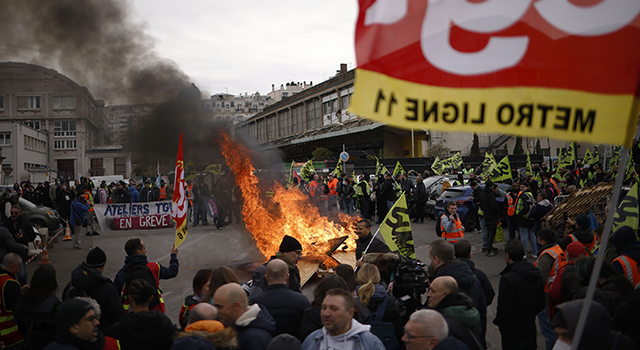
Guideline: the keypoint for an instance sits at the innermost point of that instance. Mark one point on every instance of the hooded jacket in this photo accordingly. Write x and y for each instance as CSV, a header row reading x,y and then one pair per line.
x,y
391,312
225,339
255,328
584,235
632,250
359,336
135,195
100,288
541,209
625,319
462,318
259,284
144,330
489,205
132,261
487,288
285,306
467,283
520,299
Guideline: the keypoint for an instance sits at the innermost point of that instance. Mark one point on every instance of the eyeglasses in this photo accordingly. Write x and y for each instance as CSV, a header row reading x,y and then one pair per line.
x,y
409,336
15,213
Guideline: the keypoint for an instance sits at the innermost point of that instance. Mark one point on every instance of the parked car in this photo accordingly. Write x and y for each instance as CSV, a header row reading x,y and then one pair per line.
x,y
40,216
463,197
434,190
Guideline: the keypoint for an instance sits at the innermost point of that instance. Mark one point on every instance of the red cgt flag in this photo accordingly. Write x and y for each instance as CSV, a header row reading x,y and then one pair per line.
x,y
553,68
179,210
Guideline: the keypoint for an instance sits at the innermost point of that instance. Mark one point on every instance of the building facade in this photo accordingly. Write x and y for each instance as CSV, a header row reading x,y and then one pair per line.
x,y
121,118
39,105
235,109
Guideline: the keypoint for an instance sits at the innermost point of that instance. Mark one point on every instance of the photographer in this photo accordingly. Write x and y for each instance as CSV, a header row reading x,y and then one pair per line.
x,y
78,220
450,224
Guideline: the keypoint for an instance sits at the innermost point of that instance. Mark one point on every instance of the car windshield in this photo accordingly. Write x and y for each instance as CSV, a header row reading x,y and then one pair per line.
x,y
452,193
26,203
431,180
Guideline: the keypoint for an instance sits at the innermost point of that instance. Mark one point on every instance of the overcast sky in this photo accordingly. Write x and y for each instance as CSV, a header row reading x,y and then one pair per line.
x,y
245,46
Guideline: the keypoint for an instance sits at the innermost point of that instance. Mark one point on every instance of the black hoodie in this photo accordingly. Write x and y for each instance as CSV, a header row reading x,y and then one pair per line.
x,y
520,299
489,205
144,330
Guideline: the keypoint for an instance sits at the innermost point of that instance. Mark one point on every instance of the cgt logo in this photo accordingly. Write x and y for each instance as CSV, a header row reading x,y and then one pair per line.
x,y
492,16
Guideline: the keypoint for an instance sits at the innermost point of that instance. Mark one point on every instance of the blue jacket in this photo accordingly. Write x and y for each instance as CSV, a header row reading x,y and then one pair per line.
x,y
78,210
135,195
258,332
362,338
136,260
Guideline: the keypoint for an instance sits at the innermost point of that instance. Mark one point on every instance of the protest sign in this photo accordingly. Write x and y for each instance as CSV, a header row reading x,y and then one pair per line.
x,y
134,216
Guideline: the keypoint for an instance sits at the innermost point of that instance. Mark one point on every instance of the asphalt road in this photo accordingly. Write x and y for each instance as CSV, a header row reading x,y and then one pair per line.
x,y
207,247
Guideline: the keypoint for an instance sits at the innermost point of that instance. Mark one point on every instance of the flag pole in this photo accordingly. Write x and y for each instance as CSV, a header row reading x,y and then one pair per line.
x,y
606,234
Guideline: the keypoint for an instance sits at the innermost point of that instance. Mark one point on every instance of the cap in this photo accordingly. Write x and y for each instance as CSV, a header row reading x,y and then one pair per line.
x,y
71,312
289,244
446,179
622,237
575,250
147,181
96,258
583,220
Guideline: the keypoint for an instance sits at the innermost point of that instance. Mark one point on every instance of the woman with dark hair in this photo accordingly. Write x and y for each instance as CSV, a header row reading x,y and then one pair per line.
x,y
219,277
311,320
143,329
35,311
200,288
346,272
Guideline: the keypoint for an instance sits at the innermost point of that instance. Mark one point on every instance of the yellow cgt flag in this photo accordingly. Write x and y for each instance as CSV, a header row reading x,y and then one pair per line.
x,y
627,213
396,229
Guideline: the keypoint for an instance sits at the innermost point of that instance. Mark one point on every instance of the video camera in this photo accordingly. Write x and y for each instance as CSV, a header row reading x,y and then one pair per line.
x,y
411,282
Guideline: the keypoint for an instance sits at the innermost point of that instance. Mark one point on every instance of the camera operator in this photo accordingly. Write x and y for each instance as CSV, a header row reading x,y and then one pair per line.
x,y
78,220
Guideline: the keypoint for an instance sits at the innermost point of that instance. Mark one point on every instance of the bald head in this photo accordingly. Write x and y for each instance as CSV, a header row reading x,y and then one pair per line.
x,y
277,272
12,263
203,311
231,301
447,284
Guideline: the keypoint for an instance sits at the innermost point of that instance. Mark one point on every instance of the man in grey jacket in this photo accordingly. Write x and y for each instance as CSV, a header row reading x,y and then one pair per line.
x,y
8,245
340,330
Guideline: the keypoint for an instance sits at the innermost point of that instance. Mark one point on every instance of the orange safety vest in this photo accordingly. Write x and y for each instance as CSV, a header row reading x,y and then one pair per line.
x,y
155,270
163,192
190,194
511,208
8,328
631,268
332,188
555,186
313,188
559,261
111,343
455,235
588,247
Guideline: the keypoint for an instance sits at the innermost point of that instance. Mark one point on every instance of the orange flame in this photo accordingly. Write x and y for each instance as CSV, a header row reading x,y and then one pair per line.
x,y
289,212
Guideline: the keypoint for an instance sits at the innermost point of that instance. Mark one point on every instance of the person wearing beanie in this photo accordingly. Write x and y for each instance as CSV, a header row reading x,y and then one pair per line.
x,y
77,321
628,262
290,252
566,282
582,233
87,280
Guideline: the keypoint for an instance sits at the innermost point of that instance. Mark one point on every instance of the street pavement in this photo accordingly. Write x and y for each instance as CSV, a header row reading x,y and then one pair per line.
x,y
206,247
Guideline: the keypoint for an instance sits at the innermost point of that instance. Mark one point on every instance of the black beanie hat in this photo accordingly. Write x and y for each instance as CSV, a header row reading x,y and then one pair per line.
x,y
96,258
71,312
583,221
289,244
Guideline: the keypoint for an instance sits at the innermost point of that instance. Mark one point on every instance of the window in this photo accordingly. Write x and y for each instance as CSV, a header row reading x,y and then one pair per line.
x,y
5,139
120,166
247,103
64,128
64,144
219,118
240,119
29,102
64,102
1,103
231,103
32,124
97,168
228,118
345,101
255,108
285,94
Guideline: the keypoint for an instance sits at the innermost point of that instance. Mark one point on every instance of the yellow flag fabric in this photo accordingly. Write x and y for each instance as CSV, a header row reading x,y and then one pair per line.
x,y
488,164
290,181
306,170
627,212
215,169
398,169
529,169
588,158
437,166
454,161
189,171
380,168
502,171
568,157
615,157
339,169
396,229
595,156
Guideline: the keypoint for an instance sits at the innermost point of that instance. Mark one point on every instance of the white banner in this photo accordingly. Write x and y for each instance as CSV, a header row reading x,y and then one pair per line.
x,y
134,216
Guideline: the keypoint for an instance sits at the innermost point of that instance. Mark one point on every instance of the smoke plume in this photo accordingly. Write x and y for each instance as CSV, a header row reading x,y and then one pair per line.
x,y
93,42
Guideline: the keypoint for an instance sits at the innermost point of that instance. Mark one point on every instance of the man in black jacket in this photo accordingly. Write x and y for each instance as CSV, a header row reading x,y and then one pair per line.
x,y
420,200
520,299
284,305
363,230
87,280
290,252
491,214
388,190
19,226
146,194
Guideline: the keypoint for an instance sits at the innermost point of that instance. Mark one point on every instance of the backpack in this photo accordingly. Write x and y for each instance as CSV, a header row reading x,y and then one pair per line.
x,y
385,331
143,272
74,292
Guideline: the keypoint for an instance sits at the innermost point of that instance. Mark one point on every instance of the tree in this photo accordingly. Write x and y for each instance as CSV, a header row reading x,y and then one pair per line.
x,y
438,150
518,147
537,149
475,147
388,153
321,153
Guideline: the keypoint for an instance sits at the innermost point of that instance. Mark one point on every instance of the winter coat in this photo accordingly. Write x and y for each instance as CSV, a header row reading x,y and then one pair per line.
x,y
95,285
377,246
523,207
626,318
388,191
259,284
358,334
144,330
392,310
8,245
132,261
23,226
311,321
584,235
420,195
255,328
135,196
462,318
489,205
540,210
225,339
520,299
285,306
565,285
467,283
37,322
68,341
146,194
78,211
487,289
632,250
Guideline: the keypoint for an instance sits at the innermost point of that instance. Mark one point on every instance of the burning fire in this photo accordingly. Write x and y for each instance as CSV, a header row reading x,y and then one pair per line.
x,y
289,212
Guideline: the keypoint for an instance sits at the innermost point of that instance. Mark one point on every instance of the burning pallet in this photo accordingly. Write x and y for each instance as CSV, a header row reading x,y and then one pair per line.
x,y
309,268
